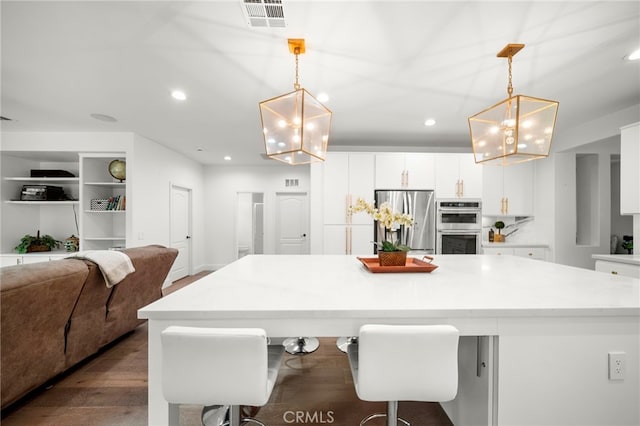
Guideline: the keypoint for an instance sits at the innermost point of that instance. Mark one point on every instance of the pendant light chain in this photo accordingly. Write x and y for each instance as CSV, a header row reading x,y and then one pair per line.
x,y
297,84
510,86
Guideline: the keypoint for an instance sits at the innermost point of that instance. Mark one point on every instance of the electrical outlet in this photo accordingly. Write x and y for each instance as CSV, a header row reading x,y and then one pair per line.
x,y
617,365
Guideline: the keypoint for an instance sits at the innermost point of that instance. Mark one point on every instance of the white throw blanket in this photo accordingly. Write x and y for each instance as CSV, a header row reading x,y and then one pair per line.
x,y
114,265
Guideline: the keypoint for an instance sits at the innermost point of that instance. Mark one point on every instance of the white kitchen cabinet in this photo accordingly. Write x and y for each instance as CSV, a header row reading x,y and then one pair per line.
x,y
345,178
405,170
348,239
538,253
27,258
508,190
630,169
457,176
617,268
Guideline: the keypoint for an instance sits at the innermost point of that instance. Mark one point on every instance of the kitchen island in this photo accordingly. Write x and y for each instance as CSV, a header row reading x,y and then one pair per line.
x,y
536,335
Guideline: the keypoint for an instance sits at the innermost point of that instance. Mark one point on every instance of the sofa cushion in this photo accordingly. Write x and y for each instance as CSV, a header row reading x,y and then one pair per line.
x,y
144,286
33,344
84,335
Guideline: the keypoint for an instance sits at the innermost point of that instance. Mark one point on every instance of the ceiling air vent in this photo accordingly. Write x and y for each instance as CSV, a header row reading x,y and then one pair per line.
x,y
264,13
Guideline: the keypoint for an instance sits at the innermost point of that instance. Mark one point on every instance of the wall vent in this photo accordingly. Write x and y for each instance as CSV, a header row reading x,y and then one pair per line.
x,y
264,13
291,182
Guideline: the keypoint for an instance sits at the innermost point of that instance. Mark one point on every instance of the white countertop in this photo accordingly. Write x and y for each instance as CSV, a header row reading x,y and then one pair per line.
x,y
632,259
512,245
338,286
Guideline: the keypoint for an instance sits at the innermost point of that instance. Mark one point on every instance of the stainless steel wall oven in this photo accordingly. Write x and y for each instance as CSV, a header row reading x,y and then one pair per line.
x,y
458,226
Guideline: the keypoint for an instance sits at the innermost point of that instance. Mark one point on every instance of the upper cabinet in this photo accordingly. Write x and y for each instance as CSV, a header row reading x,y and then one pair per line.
x,y
405,171
508,190
458,176
347,176
630,169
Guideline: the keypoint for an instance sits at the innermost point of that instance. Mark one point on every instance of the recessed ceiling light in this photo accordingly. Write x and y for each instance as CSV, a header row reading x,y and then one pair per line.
x,y
178,95
323,97
104,117
430,122
227,158
634,56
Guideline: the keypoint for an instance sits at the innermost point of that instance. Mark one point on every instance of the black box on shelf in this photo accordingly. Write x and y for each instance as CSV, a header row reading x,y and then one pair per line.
x,y
42,173
42,193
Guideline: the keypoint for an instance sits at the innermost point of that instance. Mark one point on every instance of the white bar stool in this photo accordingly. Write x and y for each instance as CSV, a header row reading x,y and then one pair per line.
x,y
225,366
404,363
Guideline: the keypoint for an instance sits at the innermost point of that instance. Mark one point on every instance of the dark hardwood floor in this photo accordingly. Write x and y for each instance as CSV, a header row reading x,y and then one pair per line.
x,y
111,389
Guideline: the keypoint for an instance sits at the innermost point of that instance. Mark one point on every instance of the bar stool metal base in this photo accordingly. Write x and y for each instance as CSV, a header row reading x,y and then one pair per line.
x,y
391,415
343,342
301,345
225,415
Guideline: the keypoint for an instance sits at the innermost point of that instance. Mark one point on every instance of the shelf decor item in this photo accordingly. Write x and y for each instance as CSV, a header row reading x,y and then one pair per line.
x,y
31,244
499,238
118,169
390,251
72,243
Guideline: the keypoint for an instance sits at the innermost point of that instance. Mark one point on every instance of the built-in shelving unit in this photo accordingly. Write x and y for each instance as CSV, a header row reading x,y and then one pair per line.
x,y
58,218
103,198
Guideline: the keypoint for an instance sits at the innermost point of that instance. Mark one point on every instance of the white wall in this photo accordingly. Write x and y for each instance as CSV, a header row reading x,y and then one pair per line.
x,y
596,130
156,169
222,183
566,250
620,225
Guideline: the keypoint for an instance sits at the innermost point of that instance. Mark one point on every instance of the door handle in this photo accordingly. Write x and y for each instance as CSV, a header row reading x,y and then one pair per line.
x,y
304,235
188,237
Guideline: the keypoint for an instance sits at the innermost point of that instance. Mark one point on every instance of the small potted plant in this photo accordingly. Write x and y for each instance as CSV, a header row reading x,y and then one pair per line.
x,y
30,244
390,251
499,238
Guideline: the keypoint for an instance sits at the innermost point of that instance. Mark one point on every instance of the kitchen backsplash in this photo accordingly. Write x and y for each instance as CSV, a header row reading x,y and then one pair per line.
x,y
518,229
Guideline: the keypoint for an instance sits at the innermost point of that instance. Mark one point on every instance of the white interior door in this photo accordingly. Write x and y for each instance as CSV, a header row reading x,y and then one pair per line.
x,y
292,223
181,231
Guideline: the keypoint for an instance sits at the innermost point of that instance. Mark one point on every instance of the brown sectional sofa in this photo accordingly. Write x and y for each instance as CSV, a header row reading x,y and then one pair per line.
x,y
55,314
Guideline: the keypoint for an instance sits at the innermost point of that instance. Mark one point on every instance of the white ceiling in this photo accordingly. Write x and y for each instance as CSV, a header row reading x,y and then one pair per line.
x,y
386,65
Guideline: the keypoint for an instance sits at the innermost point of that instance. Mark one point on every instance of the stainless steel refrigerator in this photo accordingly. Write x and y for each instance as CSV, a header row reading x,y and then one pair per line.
x,y
420,204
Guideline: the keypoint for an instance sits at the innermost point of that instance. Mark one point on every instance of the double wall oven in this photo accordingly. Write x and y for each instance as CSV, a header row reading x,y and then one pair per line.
x,y
458,226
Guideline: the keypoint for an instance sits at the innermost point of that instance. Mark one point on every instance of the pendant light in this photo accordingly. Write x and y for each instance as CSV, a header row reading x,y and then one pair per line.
x,y
518,129
295,125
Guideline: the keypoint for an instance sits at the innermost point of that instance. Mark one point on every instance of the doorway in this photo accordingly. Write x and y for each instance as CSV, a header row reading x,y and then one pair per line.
x,y
180,232
292,223
249,223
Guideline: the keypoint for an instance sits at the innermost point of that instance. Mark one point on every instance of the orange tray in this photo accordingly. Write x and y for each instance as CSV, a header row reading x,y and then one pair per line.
x,y
412,265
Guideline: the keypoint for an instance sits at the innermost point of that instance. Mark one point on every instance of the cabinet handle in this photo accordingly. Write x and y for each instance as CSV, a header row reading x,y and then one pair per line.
x,y
18,261
461,188
347,213
346,240
506,210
